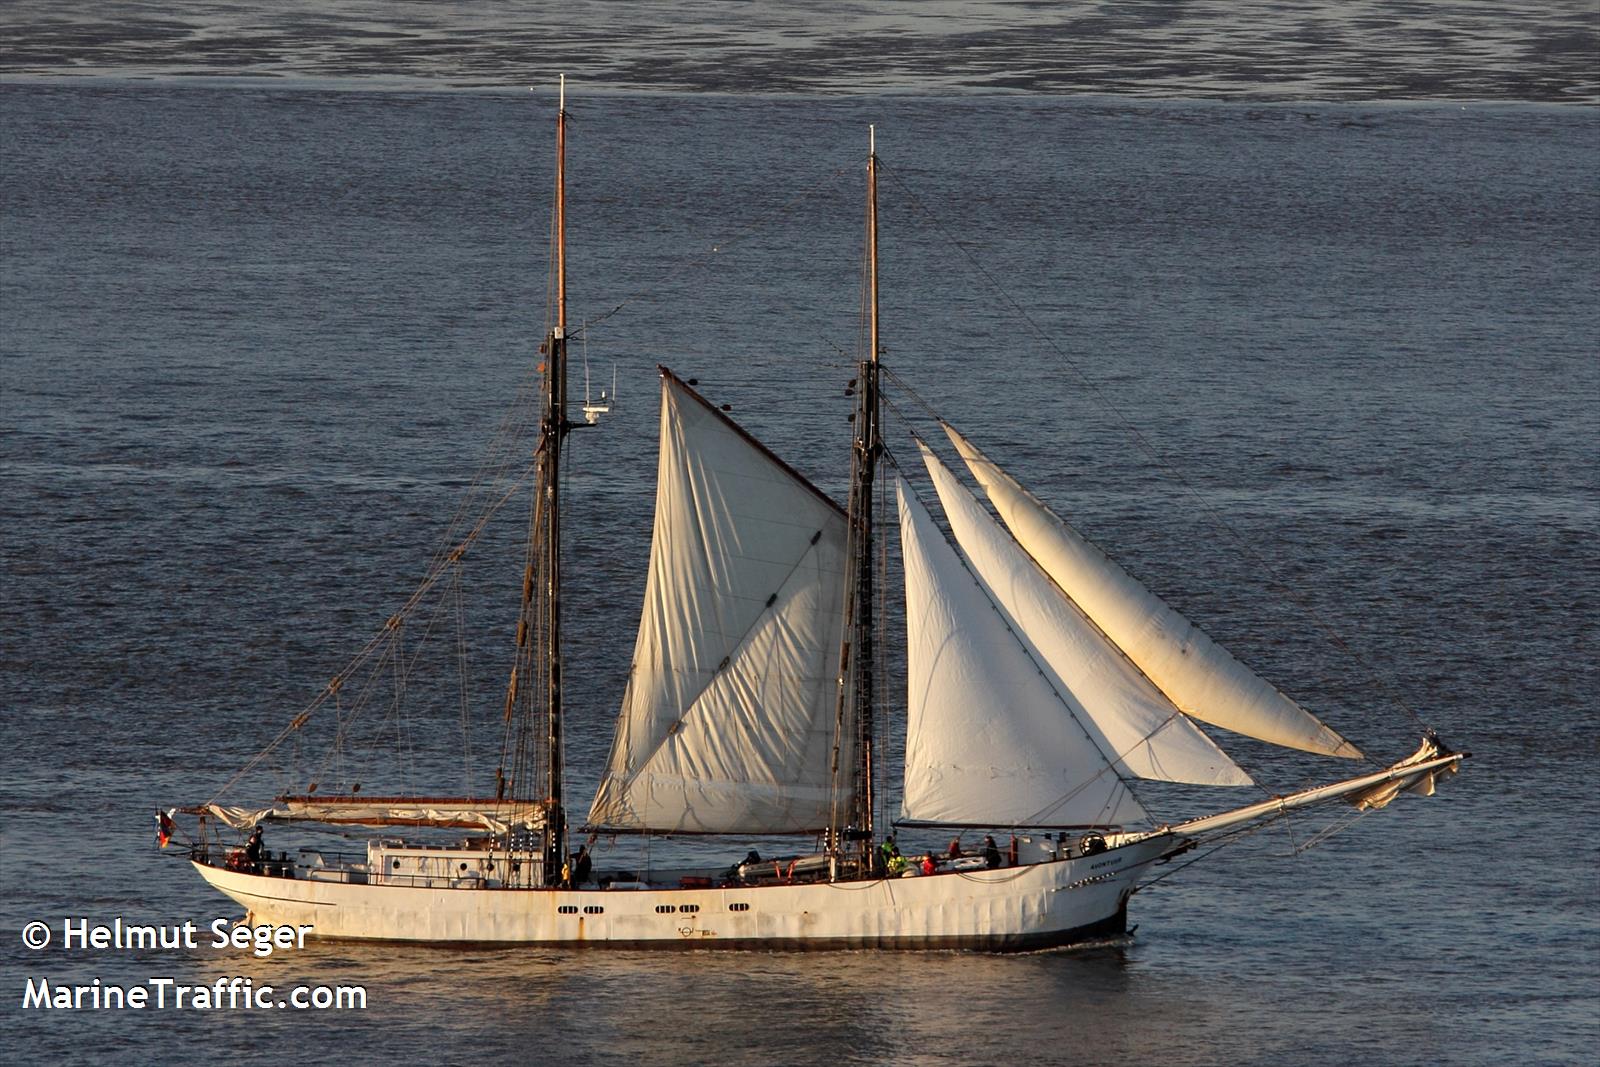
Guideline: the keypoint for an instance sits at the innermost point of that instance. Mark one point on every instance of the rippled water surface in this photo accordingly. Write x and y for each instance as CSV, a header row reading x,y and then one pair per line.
x,y
253,341
1254,49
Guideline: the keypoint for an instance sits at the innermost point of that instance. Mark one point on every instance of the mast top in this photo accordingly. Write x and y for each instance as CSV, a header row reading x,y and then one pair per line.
x,y
563,103
872,139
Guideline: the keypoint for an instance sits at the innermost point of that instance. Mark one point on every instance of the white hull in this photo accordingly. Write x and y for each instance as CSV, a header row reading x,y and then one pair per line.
x,y
1035,906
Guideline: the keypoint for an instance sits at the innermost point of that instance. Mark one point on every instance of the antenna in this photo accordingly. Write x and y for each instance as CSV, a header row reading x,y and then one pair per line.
x,y
563,104
592,408
872,139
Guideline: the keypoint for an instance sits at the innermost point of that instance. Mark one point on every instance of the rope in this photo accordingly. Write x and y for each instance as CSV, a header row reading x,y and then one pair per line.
x,y
376,643
1234,836
1222,842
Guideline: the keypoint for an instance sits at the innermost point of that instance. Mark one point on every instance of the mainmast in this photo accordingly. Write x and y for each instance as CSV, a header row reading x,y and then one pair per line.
x,y
852,831
533,734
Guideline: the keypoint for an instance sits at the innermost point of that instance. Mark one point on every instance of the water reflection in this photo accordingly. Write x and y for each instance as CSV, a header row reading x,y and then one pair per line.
x,y
702,1007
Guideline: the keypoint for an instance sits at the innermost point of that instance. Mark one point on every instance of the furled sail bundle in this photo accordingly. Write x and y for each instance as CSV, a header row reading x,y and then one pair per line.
x,y
499,816
1199,676
728,720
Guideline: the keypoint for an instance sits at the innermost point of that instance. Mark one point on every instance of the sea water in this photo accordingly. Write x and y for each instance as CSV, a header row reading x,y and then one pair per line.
x,y
1323,374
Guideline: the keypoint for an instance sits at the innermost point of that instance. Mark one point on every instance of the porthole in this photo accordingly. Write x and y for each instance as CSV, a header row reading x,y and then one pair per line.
x,y
568,909
688,907
593,909
738,907
665,909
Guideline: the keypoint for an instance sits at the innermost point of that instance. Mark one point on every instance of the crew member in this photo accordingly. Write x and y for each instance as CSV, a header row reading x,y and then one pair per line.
x,y
888,852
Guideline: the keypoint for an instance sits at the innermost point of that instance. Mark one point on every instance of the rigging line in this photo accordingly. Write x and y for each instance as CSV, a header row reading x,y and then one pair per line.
x,y
1228,838
492,474
501,457
372,645
403,669
1329,832
1020,870
522,670
880,750
551,255
916,396
459,602
1131,428
688,265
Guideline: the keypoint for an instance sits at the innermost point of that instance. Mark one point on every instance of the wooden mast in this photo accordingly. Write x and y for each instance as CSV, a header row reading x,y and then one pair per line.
x,y
857,668
533,733
554,431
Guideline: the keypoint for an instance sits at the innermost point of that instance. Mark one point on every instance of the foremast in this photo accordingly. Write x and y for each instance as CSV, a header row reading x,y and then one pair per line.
x,y
534,733
851,836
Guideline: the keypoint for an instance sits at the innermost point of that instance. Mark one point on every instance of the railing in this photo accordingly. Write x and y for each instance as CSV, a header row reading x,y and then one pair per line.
x,y
235,858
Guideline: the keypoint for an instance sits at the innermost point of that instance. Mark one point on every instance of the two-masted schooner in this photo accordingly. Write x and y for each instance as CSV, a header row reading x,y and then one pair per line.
x,y
1043,681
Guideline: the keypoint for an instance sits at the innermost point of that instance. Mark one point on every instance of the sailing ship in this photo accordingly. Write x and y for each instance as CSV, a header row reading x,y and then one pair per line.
x,y
1043,682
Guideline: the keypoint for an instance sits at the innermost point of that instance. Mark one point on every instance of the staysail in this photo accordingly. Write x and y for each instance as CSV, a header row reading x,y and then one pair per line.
x,y
1148,736
1199,676
989,742
727,722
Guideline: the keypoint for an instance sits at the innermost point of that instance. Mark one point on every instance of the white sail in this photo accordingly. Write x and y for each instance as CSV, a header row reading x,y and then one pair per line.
x,y
727,723
1149,737
1195,673
988,740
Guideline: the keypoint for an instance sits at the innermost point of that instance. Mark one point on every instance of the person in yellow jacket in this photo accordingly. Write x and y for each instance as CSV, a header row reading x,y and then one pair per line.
x,y
889,857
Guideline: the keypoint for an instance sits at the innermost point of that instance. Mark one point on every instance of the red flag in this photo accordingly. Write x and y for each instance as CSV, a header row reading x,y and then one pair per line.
x,y
164,828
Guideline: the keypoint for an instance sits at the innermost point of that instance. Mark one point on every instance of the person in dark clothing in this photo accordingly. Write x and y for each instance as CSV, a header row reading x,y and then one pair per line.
x,y
252,851
991,853
582,864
